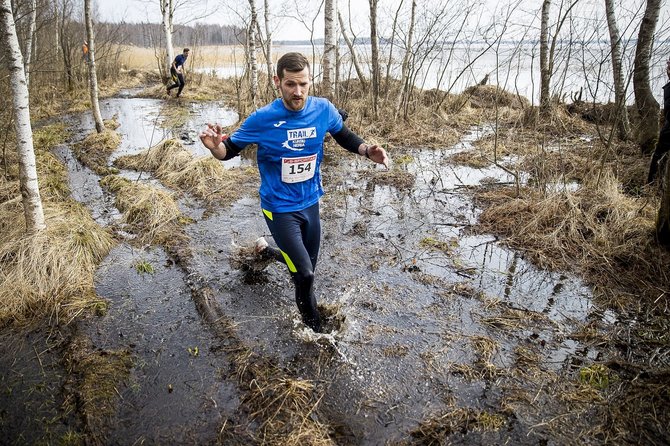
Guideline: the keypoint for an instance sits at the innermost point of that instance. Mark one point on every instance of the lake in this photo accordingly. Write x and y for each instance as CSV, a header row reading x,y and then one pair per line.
x,y
514,66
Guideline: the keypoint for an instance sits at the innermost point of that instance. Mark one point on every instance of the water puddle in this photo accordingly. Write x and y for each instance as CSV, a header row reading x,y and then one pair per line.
x,y
146,122
415,294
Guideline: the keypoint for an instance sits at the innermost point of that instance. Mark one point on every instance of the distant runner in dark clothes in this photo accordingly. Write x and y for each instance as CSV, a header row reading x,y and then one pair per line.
x,y
177,72
663,144
289,133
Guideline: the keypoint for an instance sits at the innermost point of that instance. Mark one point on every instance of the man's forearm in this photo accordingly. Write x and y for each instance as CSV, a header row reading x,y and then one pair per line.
x,y
349,140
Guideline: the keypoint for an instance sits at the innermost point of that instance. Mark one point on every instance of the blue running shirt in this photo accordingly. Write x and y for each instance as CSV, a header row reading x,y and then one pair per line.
x,y
290,150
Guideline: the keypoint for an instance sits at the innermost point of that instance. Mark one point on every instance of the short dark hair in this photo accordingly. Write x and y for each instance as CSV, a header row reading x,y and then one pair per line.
x,y
186,50
293,62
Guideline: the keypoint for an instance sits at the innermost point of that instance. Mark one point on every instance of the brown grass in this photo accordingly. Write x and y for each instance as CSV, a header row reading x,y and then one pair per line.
x,y
50,272
456,420
598,230
149,212
96,375
95,149
282,410
204,177
487,96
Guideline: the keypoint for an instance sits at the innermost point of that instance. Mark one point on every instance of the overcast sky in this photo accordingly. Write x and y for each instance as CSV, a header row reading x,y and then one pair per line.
x,y
215,11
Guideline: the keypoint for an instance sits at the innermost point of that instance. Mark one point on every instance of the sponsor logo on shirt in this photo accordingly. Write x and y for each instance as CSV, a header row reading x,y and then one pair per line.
x,y
280,123
309,132
297,137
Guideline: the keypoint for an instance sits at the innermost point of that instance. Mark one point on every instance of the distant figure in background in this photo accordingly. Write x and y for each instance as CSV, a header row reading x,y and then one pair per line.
x,y
663,144
177,72
84,51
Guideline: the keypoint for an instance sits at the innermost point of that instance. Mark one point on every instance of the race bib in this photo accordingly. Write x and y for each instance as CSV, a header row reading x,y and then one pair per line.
x,y
295,170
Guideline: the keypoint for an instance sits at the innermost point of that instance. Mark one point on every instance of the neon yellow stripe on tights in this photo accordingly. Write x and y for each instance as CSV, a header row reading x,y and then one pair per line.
x,y
289,263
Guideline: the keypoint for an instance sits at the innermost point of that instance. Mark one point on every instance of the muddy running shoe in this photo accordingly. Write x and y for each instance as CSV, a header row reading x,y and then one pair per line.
x,y
260,246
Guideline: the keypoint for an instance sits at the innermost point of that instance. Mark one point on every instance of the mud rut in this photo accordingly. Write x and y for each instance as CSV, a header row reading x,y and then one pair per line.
x,y
441,336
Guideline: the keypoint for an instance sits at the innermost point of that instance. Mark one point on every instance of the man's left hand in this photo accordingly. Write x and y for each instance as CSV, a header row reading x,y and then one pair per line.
x,y
378,155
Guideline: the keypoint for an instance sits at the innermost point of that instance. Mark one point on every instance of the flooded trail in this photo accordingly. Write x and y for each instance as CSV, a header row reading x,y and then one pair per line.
x,y
431,319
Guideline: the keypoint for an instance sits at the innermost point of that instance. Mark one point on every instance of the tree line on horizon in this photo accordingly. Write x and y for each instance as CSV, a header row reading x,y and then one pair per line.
x,y
149,35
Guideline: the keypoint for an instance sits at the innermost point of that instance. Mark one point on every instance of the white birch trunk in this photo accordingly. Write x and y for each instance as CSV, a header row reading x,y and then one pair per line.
x,y
268,45
167,8
328,64
92,75
253,62
32,203
29,40
374,47
545,71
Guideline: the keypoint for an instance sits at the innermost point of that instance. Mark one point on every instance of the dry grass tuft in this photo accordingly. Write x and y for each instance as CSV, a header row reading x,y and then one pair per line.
x,y
397,178
50,272
205,178
437,429
98,374
638,413
245,259
606,234
487,96
283,408
95,149
558,121
152,213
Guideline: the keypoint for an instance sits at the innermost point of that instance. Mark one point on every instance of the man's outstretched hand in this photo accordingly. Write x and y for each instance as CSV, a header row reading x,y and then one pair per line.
x,y
212,137
378,155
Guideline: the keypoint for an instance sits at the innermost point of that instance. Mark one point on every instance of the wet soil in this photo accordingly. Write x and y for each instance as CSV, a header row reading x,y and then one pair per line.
x,y
426,318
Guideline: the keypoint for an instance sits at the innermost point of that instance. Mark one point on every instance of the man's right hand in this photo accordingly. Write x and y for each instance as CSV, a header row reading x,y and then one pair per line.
x,y
212,137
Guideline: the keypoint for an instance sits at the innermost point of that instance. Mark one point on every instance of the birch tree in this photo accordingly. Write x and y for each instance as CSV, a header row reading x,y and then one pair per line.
x,y
30,192
29,40
623,122
268,44
374,48
548,49
545,70
251,52
328,64
92,76
646,104
167,12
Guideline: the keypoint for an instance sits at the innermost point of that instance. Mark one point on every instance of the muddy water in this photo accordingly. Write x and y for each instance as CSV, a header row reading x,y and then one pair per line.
x,y
178,391
411,313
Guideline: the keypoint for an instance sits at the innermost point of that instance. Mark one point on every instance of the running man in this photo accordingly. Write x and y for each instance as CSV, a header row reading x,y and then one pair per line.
x,y
289,133
177,72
